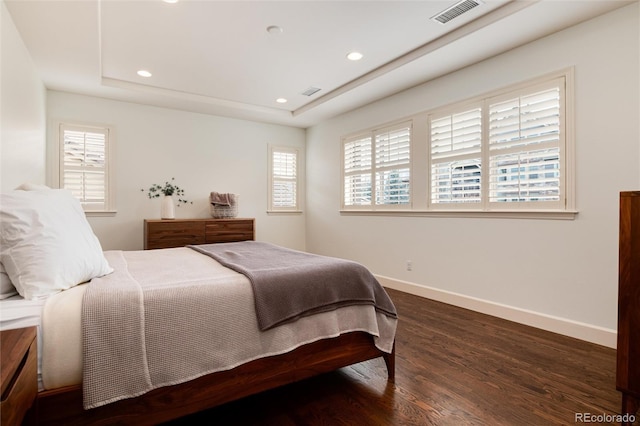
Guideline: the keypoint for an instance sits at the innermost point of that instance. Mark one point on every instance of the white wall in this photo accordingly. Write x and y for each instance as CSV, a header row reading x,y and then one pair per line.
x,y
565,270
204,153
22,111
568,270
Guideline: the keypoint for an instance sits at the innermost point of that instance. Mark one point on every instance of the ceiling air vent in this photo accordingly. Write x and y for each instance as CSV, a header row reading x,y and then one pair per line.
x,y
310,91
456,10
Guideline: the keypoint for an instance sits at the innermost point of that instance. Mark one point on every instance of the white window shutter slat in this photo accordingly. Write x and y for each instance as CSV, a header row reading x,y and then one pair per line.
x,y
84,153
392,165
284,179
357,171
524,140
456,182
456,143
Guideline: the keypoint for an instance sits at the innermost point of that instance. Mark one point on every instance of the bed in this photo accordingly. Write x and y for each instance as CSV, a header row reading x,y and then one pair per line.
x,y
193,317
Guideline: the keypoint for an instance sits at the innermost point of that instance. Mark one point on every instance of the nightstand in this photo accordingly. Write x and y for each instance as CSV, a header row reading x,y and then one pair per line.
x,y
18,374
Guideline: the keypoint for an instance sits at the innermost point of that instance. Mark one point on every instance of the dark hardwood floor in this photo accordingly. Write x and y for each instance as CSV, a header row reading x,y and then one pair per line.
x,y
453,367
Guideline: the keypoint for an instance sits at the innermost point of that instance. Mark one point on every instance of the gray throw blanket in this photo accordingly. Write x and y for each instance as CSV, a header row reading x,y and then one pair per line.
x,y
289,284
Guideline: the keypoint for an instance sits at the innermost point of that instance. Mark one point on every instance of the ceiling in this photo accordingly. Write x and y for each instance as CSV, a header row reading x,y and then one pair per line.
x,y
218,57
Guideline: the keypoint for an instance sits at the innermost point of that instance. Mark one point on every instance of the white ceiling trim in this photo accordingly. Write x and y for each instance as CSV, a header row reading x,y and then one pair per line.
x,y
153,90
77,51
176,94
467,29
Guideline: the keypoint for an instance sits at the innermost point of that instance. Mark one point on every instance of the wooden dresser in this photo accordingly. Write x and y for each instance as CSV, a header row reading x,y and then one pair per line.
x,y
19,374
628,352
161,233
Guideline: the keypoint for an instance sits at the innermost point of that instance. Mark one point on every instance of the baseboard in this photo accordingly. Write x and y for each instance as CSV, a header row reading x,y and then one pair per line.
x,y
590,333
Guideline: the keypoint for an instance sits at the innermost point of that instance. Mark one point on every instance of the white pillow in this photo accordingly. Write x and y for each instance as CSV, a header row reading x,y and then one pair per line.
x,y
6,287
47,245
27,186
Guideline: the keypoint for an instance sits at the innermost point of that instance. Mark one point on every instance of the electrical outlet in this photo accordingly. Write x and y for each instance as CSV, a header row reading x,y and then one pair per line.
x,y
409,265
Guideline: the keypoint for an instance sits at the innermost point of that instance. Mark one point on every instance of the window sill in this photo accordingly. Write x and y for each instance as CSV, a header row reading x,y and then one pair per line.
x,y
284,211
97,213
511,214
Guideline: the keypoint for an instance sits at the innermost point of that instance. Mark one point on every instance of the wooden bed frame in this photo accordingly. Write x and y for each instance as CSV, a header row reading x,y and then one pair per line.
x,y
64,406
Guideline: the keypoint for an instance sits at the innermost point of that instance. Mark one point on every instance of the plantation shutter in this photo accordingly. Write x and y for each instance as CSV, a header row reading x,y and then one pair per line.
x,y
525,132
284,169
456,144
357,171
83,168
392,165
509,153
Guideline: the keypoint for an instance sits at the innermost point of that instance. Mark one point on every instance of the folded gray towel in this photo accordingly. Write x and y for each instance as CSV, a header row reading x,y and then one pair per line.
x,y
219,199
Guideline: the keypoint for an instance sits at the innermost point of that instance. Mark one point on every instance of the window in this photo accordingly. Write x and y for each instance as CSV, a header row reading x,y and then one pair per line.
x,y
283,179
456,141
377,168
357,171
509,153
85,165
525,141
504,152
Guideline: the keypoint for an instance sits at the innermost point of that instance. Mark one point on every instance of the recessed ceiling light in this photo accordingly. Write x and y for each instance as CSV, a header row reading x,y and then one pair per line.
x,y
144,73
281,100
274,29
170,1
354,56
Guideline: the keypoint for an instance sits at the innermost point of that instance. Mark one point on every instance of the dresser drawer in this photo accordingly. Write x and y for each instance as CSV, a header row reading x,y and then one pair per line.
x,y
19,374
174,233
226,231
179,233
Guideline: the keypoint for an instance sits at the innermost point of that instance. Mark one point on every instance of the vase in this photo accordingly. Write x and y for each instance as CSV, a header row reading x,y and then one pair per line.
x,y
167,208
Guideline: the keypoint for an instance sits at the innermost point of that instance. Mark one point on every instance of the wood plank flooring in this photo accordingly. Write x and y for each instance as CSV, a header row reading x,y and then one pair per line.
x,y
453,367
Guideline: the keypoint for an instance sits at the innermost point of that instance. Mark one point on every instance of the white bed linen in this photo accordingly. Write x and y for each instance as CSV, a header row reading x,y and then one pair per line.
x,y
62,360
62,339
17,312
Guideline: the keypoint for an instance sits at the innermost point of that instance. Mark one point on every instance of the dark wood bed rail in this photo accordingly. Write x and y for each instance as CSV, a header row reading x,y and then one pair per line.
x,y
64,406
